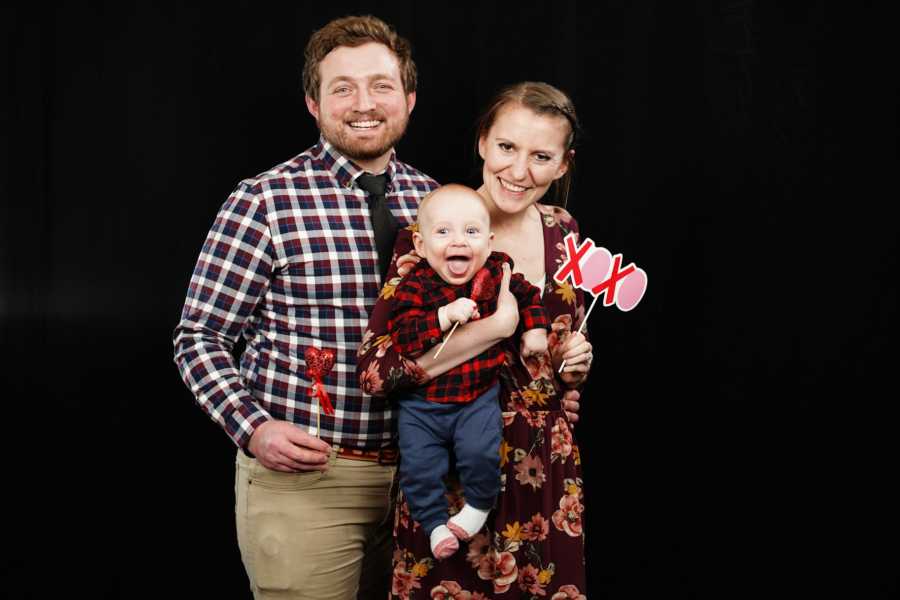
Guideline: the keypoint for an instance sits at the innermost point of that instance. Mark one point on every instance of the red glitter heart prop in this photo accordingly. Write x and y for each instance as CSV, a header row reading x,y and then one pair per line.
x,y
482,285
319,362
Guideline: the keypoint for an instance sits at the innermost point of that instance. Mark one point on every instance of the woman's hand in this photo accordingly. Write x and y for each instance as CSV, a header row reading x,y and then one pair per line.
x,y
577,353
533,343
571,405
406,262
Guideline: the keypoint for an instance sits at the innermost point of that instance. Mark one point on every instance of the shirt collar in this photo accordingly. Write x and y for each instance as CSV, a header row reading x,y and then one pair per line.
x,y
428,277
345,171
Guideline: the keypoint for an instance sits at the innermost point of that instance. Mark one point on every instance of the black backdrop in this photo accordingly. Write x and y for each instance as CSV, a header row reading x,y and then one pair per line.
x,y
736,434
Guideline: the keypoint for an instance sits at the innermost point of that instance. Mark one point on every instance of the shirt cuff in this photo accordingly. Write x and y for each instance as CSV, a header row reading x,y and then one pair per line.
x,y
244,421
533,317
432,334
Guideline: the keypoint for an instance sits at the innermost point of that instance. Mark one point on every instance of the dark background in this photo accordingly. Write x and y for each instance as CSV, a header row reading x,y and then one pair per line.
x,y
738,434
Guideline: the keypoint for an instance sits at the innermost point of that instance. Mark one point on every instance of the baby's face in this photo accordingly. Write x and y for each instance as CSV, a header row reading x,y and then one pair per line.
x,y
454,234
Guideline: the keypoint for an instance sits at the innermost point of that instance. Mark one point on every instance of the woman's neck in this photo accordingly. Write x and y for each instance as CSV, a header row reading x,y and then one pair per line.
x,y
514,227
520,235
506,225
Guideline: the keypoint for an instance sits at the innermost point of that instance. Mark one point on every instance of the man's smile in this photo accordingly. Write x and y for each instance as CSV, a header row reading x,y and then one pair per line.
x,y
364,125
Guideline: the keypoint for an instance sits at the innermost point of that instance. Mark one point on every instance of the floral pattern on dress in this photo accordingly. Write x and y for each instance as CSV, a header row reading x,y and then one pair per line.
x,y
450,590
389,287
407,573
568,518
568,592
561,445
530,471
566,292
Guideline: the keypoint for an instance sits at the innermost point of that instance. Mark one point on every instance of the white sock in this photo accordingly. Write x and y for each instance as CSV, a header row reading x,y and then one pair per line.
x,y
443,542
470,519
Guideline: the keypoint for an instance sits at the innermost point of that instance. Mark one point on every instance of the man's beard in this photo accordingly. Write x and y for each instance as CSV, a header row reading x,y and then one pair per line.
x,y
363,150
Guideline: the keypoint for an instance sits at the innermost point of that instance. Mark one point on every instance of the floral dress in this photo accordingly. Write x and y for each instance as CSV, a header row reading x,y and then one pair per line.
x,y
533,542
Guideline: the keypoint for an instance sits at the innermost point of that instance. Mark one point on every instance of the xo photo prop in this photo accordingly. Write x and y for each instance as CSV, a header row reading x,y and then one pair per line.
x,y
596,270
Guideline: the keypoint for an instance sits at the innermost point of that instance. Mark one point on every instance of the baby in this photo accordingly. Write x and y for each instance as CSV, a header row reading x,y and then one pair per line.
x,y
458,409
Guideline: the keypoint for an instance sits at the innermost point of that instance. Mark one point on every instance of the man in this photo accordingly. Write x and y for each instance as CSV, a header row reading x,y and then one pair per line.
x,y
294,260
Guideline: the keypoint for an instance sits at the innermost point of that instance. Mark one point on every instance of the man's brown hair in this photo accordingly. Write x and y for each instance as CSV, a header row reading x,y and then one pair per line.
x,y
353,32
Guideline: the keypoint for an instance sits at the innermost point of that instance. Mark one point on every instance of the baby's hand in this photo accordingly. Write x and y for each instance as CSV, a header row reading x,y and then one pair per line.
x,y
459,311
534,342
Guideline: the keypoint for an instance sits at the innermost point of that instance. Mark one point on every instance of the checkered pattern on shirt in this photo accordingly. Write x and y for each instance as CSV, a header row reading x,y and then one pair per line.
x,y
290,262
415,328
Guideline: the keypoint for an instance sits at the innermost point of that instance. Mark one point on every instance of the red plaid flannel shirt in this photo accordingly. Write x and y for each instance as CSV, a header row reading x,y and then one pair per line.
x,y
415,328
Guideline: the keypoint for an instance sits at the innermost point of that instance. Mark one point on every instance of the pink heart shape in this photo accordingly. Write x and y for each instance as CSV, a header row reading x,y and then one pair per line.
x,y
630,289
595,269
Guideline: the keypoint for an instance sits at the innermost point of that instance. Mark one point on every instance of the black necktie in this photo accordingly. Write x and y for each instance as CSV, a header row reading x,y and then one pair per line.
x,y
383,222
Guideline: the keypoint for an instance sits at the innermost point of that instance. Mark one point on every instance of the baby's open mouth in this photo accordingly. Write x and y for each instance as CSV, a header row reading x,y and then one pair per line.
x,y
457,264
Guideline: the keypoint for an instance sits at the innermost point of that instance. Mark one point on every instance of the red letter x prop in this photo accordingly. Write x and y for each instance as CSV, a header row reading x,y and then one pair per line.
x,y
609,286
573,256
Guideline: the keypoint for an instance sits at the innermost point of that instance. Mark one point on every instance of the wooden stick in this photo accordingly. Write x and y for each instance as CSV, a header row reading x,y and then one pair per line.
x,y
318,417
446,339
583,322
318,412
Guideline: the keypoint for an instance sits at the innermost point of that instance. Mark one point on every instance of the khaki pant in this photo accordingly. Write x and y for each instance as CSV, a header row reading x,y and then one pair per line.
x,y
315,535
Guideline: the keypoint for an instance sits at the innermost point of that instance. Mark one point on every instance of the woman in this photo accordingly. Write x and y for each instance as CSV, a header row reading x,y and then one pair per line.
x,y
533,544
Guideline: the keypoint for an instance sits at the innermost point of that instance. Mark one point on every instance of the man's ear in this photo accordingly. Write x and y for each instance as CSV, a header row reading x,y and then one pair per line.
x,y
313,107
410,102
418,243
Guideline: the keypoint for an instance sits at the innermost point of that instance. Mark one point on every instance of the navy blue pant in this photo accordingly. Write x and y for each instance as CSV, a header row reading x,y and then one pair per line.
x,y
428,431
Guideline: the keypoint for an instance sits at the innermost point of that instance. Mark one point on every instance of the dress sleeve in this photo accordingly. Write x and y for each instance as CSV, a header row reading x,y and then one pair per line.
x,y
380,368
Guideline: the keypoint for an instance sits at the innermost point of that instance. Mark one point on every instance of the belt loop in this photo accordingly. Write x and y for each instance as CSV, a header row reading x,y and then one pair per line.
x,y
333,455
387,456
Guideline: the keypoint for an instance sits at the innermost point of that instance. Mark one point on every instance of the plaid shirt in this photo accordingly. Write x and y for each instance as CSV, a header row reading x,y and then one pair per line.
x,y
290,262
415,328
